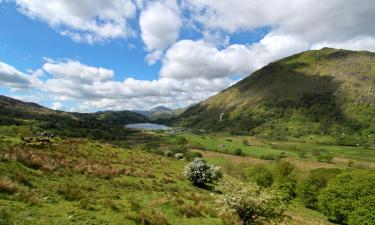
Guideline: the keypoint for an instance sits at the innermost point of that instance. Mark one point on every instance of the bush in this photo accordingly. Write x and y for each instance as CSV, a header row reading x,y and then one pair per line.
x,y
250,202
168,153
245,142
285,181
344,199
261,175
181,140
364,214
192,155
318,179
199,172
325,158
152,217
302,154
7,186
179,156
238,152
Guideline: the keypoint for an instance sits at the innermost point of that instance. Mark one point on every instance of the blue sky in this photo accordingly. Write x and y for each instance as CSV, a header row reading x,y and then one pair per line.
x,y
124,54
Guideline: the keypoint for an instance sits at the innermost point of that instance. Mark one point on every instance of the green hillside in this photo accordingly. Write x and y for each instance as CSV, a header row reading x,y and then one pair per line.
x,y
27,118
327,92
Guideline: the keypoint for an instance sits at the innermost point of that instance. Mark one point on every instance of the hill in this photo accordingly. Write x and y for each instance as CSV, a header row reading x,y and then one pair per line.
x,y
160,114
97,125
319,92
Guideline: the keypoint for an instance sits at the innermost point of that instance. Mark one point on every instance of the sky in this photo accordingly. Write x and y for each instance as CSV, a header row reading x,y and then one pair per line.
x,y
91,55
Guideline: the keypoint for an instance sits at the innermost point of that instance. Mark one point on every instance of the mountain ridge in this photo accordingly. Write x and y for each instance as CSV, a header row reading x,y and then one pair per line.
x,y
324,92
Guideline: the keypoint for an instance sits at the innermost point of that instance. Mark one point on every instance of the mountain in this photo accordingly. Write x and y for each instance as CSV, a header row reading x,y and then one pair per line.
x,y
318,92
99,124
160,114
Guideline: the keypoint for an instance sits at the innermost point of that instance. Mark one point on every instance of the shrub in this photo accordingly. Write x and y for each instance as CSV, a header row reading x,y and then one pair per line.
x,y
152,217
71,192
350,163
285,181
325,158
364,214
344,197
192,155
282,155
250,202
179,156
302,154
245,142
238,152
189,210
261,175
199,172
181,140
168,153
318,179
7,186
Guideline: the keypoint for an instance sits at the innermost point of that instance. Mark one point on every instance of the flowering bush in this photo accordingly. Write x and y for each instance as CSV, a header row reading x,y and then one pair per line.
x,y
250,202
200,172
179,156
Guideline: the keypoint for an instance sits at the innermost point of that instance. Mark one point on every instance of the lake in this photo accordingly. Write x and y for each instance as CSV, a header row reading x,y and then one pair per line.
x,y
148,126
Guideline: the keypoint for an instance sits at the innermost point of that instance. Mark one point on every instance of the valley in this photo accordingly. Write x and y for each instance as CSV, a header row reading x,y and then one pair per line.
x,y
291,144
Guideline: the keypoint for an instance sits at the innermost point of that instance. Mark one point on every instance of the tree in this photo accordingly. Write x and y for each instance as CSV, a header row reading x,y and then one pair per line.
x,y
199,172
344,197
318,179
250,202
284,179
261,175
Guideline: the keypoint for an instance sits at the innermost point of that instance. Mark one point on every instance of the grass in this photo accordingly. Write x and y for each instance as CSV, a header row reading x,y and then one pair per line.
x,y
84,182
80,181
225,143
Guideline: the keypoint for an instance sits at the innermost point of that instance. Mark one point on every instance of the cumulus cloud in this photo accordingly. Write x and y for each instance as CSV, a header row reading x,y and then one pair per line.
x,y
192,59
83,21
160,23
96,89
13,78
335,19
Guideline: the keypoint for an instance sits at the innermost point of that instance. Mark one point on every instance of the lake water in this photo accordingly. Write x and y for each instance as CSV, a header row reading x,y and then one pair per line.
x,y
148,126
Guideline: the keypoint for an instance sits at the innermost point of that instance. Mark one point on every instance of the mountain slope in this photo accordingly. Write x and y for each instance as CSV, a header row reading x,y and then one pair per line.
x,y
106,124
322,92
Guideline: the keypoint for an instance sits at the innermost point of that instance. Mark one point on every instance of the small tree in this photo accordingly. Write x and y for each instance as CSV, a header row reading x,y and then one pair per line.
x,y
199,172
345,196
250,202
261,175
318,179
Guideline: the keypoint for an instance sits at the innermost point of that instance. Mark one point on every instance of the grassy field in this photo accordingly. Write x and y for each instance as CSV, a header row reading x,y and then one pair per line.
x,y
81,181
76,181
222,142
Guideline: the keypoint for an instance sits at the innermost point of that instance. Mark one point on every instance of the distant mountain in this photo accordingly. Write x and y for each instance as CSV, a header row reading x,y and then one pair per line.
x,y
160,114
16,112
322,92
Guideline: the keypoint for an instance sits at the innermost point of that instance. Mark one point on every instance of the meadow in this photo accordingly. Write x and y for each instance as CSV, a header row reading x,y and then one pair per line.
x,y
63,180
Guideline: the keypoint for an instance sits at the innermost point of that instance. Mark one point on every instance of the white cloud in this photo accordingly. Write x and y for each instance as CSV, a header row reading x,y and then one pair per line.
x,y
311,20
83,21
57,106
154,56
13,78
96,89
193,59
160,24
358,44
77,72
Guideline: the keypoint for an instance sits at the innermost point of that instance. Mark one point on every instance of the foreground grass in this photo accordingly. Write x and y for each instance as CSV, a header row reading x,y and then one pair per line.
x,y
81,182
